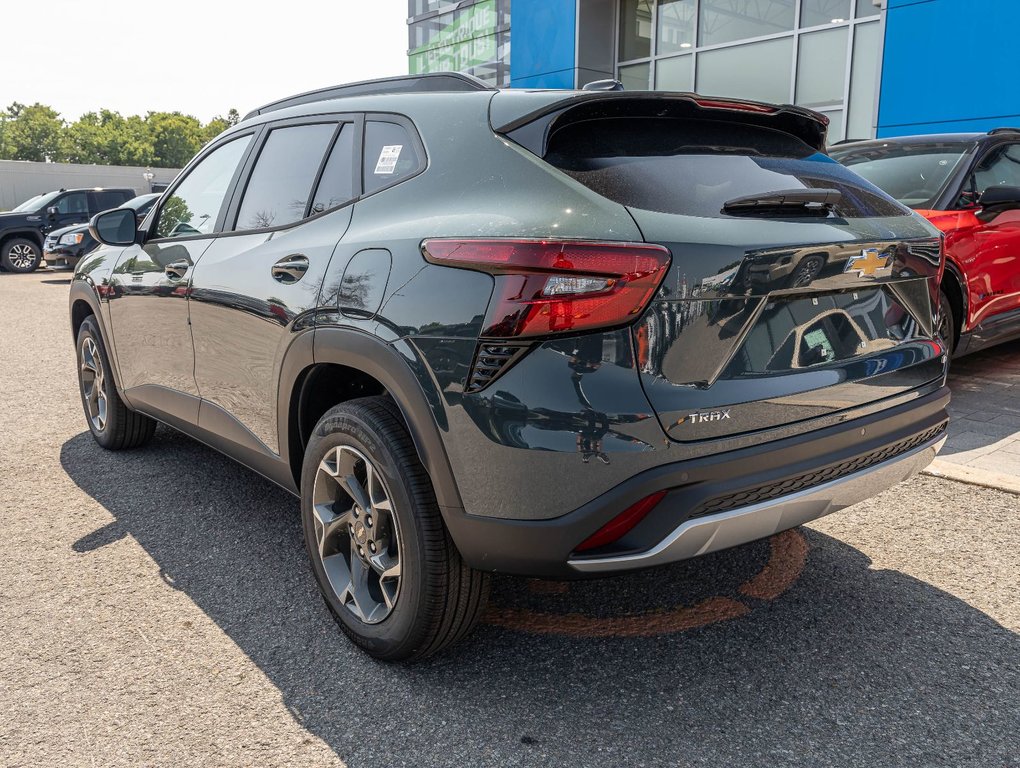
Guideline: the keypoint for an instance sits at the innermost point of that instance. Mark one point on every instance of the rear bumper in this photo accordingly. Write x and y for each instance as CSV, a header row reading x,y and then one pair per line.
x,y
718,501
756,521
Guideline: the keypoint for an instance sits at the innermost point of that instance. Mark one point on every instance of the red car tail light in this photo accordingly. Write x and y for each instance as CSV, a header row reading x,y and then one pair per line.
x,y
622,524
545,287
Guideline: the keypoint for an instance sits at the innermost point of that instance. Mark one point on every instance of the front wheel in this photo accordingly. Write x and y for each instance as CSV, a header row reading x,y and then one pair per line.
x,y
383,559
20,255
112,423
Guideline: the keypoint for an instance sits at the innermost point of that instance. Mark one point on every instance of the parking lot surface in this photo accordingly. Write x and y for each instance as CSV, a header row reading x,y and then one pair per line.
x,y
156,608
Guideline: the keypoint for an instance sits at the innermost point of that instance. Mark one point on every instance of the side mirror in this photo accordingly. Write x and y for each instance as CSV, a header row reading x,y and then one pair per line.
x,y
52,211
116,227
1001,197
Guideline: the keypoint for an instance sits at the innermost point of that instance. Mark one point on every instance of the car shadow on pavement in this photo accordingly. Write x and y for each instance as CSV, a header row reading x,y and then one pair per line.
x,y
838,665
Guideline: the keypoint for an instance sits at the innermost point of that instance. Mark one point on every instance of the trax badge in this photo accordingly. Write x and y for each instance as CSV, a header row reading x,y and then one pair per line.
x,y
869,263
701,418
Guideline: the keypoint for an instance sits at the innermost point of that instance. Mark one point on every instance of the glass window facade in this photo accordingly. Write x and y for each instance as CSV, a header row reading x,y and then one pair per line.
x,y
822,54
473,37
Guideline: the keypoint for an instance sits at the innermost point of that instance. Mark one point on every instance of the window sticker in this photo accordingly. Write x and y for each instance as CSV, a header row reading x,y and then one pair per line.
x,y
388,159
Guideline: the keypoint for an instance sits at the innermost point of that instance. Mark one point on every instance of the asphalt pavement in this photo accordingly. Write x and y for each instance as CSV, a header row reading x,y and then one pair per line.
x,y
156,608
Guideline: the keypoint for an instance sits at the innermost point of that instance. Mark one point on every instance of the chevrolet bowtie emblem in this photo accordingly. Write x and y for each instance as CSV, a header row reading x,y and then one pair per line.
x,y
868,264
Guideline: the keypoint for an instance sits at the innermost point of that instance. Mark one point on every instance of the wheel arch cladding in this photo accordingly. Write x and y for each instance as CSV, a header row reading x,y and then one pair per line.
x,y
378,368
26,234
953,286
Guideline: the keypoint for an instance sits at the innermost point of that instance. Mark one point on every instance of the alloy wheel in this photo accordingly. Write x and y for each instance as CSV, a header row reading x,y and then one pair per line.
x,y
356,533
93,384
21,256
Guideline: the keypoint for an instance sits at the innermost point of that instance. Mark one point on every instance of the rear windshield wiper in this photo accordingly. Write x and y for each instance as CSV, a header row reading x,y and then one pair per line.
x,y
796,201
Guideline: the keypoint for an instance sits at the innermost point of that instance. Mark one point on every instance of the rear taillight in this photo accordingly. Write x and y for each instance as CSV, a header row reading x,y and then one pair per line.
x,y
546,287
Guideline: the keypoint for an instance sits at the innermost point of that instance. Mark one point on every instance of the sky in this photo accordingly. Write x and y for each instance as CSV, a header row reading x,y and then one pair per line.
x,y
200,58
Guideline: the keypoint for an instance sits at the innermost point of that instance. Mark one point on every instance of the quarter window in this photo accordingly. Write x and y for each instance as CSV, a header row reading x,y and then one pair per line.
x,y
390,155
195,204
337,184
281,183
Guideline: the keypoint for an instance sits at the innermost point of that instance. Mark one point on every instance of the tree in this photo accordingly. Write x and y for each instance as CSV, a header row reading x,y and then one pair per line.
x,y
33,132
107,138
219,124
175,138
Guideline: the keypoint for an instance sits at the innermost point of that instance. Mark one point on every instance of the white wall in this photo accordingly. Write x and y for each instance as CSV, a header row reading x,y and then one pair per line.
x,y
20,180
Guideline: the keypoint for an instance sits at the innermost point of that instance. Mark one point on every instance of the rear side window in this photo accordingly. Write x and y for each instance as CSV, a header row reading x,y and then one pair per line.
x,y
694,167
281,183
390,155
106,200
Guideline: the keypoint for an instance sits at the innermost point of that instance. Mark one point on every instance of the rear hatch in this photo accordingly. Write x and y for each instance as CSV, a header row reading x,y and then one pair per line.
x,y
796,288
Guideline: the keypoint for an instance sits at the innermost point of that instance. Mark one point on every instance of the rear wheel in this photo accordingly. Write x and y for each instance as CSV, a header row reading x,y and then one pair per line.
x,y
384,561
112,423
947,323
20,255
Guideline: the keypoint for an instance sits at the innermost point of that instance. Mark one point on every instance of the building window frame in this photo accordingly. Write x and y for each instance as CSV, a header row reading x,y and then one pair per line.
x,y
851,24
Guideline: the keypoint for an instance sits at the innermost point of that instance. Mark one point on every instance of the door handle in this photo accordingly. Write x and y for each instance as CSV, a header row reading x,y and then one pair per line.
x,y
290,269
177,270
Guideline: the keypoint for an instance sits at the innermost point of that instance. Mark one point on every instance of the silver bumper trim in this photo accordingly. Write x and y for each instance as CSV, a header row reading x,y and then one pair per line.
x,y
739,526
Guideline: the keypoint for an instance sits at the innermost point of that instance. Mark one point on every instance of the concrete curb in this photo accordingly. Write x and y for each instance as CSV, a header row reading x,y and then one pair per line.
x,y
973,476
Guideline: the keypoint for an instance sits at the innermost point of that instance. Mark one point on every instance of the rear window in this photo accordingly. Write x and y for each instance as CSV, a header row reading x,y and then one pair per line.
x,y
694,167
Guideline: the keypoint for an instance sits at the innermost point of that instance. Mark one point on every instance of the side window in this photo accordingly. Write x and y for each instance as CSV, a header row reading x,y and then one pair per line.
x,y
281,183
73,203
390,154
104,201
1000,169
337,183
195,204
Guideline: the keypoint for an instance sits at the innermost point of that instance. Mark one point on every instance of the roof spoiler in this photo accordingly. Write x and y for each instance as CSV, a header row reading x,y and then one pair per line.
x,y
533,129
432,82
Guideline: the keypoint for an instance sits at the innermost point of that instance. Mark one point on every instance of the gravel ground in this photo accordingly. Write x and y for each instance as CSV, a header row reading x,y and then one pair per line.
x,y
156,609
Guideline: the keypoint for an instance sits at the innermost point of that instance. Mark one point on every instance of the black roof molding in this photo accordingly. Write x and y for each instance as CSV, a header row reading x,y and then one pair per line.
x,y
432,82
997,131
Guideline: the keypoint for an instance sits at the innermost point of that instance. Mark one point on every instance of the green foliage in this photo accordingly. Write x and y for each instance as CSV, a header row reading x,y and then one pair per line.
x,y
32,133
160,139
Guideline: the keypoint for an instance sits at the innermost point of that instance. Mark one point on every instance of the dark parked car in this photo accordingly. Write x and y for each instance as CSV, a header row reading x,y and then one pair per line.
x,y
967,185
22,230
65,246
508,331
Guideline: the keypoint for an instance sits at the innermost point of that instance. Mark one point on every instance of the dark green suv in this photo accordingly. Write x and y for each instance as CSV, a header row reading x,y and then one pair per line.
x,y
556,334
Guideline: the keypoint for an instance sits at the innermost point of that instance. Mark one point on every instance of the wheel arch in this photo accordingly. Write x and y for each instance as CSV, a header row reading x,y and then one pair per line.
x,y
28,234
82,303
380,369
954,286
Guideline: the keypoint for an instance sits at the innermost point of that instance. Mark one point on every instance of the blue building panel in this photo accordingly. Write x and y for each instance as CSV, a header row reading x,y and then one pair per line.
x,y
949,66
542,54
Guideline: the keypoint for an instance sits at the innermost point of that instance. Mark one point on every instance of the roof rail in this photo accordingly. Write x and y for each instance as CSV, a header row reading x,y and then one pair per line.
x,y
995,131
433,81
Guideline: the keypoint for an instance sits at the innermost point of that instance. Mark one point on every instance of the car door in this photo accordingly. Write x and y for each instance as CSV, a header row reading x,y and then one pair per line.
x,y
990,254
255,288
151,281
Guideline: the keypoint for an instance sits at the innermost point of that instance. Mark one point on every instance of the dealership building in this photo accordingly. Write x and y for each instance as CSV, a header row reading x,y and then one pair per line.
x,y
875,67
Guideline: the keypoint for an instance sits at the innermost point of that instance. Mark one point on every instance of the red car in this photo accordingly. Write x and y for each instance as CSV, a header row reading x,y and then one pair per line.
x,y
967,185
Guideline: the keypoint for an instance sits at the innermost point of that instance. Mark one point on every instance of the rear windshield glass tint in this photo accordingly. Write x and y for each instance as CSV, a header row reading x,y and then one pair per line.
x,y
694,167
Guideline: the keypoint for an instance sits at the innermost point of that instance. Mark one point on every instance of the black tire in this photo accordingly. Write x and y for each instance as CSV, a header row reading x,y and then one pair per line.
x,y
947,323
439,599
20,255
121,428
